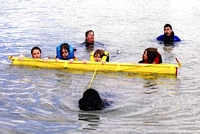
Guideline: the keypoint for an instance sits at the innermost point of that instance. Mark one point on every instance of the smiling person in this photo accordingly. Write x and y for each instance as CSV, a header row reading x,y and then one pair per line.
x,y
168,36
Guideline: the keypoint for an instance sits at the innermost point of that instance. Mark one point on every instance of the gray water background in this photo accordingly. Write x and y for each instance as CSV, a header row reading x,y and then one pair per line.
x,y
34,100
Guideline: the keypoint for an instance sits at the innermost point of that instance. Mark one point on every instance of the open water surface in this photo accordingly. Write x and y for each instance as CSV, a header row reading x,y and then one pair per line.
x,y
35,100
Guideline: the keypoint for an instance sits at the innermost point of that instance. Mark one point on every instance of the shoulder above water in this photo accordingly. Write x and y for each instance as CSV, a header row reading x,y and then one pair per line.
x,y
176,38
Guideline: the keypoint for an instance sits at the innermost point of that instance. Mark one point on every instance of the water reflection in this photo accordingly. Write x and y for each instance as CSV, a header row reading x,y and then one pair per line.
x,y
168,48
151,85
148,76
92,120
90,48
170,44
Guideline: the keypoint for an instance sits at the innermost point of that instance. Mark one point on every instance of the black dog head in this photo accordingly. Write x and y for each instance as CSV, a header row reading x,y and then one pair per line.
x,y
91,100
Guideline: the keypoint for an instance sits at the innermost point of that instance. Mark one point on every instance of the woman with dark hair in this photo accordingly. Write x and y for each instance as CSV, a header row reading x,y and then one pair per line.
x,y
151,56
90,42
89,37
65,51
36,53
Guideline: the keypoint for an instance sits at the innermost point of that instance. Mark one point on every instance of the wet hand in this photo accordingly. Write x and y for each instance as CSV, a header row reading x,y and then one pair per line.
x,y
71,60
84,61
57,59
103,62
21,57
45,59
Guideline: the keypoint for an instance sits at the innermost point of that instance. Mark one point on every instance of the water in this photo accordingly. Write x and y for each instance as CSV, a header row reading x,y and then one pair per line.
x,y
35,100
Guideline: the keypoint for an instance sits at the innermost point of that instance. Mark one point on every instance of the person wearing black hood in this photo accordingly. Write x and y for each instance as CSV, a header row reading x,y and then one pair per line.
x,y
168,36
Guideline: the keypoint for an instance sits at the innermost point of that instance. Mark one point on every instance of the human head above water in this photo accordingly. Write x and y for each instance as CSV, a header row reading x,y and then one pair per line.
x,y
150,54
89,36
168,25
64,50
98,54
36,52
168,31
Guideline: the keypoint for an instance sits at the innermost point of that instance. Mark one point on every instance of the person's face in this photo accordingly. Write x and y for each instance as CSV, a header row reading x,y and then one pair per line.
x,y
36,54
90,37
97,57
64,53
167,31
145,55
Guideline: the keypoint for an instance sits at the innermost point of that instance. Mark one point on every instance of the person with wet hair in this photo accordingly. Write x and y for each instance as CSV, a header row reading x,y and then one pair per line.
x,y
90,42
89,37
65,51
168,36
36,53
98,56
151,56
